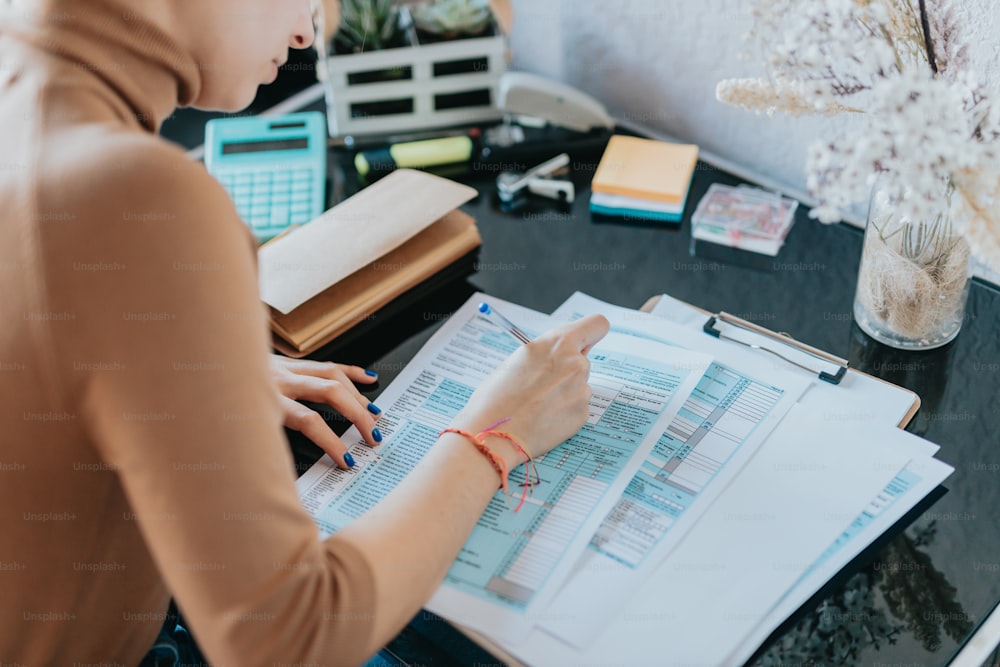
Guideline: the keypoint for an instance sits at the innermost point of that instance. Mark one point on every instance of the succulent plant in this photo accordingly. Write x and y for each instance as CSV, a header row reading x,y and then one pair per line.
x,y
451,18
369,25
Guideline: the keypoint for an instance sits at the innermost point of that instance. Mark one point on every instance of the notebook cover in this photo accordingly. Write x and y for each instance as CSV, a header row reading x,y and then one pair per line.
x,y
296,267
355,298
646,169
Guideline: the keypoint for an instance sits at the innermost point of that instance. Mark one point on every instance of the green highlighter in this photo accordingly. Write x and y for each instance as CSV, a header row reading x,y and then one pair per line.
x,y
415,155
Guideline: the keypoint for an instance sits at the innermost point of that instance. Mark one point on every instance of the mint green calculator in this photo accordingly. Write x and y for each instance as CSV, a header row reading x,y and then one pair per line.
x,y
273,168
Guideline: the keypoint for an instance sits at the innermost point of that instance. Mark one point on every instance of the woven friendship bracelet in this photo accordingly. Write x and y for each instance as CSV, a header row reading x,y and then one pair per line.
x,y
498,463
531,476
478,439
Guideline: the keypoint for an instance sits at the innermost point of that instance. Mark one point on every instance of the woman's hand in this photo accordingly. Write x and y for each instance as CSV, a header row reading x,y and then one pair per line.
x,y
332,384
542,387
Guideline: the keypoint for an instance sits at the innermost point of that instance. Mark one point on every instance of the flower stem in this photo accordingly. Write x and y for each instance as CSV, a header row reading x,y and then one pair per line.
x,y
928,42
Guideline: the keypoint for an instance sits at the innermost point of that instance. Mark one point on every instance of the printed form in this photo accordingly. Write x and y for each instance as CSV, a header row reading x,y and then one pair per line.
x,y
792,500
717,430
514,562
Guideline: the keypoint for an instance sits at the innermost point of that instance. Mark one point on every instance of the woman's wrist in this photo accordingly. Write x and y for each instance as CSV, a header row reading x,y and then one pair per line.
x,y
461,446
500,465
503,449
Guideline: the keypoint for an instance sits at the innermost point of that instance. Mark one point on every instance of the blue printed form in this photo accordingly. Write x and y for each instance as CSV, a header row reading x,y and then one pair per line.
x,y
511,555
717,429
719,418
514,562
720,426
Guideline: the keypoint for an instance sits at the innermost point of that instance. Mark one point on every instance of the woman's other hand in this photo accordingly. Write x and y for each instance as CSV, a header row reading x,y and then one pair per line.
x,y
333,385
542,389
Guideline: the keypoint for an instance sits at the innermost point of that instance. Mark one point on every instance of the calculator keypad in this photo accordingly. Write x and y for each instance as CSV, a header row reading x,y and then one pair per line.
x,y
270,201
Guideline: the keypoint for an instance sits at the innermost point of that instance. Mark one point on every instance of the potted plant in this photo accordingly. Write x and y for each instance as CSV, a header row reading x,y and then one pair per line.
x,y
380,77
369,25
445,20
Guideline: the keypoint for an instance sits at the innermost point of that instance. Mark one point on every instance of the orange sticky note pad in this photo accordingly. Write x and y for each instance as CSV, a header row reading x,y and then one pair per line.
x,y
646,169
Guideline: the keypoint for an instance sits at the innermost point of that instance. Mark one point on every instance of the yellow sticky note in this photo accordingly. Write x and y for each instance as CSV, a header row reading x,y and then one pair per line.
x,y
646,169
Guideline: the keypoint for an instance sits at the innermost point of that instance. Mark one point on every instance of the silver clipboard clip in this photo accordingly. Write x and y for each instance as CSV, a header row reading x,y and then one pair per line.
x,y
784,339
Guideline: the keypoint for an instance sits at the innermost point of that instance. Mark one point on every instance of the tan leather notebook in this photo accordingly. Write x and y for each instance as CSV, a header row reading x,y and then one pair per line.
x,y
334,273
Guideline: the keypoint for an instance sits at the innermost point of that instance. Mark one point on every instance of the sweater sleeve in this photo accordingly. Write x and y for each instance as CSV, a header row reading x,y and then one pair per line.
x,y
188,416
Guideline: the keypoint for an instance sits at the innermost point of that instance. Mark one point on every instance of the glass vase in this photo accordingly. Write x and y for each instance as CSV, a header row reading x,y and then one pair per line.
x,y
913,283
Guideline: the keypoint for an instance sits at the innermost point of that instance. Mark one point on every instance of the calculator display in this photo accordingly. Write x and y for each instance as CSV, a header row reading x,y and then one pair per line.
x,y
238,147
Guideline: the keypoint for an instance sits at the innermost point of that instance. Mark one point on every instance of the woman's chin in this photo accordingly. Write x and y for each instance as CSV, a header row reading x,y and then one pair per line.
x,y
273,75
230,101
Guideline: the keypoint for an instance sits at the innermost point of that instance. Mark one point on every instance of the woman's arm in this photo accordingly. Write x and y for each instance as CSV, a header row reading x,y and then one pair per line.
x,y
412,537
191,423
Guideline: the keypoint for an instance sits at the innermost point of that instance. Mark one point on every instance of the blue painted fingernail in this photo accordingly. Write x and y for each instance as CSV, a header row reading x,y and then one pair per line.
x,y
374,409
371,373
377,435
349,460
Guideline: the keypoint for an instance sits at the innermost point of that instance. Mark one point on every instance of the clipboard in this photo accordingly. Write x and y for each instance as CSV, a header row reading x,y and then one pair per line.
x,y
779,343
837,368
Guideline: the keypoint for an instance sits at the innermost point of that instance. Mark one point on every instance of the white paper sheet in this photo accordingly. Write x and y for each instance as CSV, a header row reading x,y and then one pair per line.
x,y
378,219
513,562
742,556
718,430
908,488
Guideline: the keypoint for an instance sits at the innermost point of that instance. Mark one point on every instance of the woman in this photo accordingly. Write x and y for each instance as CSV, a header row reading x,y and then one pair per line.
x,y
143,454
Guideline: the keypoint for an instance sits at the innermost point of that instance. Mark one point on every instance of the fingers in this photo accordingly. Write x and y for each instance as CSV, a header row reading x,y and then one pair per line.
x,y
331,371
593,328
342,397
312,425
584,333
358,374
295,378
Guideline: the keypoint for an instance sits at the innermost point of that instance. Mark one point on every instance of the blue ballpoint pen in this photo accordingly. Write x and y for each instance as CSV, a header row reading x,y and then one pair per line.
x,y
485,309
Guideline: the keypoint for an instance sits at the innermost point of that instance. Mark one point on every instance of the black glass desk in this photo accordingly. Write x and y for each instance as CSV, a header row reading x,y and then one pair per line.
x,y
920,592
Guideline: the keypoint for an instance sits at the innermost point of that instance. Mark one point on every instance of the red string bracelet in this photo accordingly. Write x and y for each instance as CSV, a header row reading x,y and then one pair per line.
x,y
498,463
531,470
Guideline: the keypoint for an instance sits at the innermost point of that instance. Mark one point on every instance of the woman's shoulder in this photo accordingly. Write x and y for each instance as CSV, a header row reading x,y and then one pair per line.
x,y
98,158
115,181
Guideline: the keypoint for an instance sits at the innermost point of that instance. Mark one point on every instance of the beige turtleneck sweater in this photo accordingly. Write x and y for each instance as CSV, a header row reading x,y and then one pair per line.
x,y
141,449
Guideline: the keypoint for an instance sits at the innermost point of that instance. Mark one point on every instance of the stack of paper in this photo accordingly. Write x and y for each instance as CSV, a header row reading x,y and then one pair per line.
x,y
643,179
709,495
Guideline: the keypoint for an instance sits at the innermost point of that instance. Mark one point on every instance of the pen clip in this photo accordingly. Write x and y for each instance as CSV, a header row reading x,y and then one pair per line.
x,y
784,339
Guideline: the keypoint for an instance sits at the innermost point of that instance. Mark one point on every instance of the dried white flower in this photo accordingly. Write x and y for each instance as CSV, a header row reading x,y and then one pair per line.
x,y
950,49
790,98
932,129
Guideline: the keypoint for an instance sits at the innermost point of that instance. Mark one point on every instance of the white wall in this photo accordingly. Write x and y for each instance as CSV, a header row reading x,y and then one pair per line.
x,y
657,62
